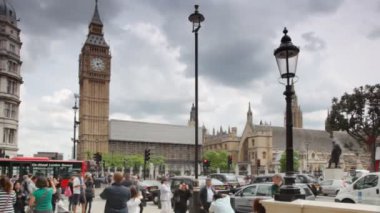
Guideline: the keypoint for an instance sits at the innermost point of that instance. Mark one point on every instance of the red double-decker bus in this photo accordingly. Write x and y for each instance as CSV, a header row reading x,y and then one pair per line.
x,y
62,169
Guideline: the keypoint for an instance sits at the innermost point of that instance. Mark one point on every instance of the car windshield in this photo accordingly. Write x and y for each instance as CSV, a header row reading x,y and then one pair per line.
x,y
150,183
231,178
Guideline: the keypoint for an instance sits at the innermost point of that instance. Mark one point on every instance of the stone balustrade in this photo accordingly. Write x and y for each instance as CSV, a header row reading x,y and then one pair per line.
x,y
306,206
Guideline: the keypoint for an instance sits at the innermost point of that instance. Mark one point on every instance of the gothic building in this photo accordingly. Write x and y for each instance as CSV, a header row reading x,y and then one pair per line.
x,y
259,148
10,79
94,80
296,111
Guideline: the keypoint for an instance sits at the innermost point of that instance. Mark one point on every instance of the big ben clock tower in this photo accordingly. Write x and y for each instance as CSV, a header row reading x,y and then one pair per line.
x,y
94,80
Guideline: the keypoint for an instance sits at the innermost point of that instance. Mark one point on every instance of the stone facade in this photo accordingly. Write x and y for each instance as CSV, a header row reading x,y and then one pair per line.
x,y
260,147
174,142
94,80
10,79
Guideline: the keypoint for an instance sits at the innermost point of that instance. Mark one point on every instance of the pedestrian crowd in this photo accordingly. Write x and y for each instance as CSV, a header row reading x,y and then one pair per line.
x,y
41,194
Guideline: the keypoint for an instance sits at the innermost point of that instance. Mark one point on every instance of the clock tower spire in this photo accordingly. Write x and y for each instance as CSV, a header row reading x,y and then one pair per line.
x,y
94,80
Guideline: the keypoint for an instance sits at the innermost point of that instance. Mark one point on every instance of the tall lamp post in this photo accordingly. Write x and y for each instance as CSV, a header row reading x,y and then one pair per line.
x,y
286,56
196,18
76,123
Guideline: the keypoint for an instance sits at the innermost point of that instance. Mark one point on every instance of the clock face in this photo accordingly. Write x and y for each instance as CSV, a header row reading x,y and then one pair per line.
x,y
97,64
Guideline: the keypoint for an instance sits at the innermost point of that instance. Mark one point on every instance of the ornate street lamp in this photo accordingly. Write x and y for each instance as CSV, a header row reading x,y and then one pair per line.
x,y
196,18
286,56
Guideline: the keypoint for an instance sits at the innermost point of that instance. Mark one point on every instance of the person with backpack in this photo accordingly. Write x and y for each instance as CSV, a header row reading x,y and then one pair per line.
x,y
89,192
78,193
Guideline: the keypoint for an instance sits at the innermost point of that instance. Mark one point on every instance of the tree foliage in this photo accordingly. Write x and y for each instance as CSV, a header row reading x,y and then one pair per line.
x,y
296,161
135,160
359,115
217,159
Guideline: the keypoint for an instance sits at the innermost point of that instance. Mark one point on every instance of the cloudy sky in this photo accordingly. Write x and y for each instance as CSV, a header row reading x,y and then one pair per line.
x,y
153,60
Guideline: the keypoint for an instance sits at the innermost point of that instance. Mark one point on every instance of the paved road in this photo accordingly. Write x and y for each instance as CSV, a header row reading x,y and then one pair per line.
x,y
98,203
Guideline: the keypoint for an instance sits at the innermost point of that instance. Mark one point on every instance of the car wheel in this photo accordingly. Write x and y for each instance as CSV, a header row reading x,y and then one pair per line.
x,y
155,200
325,194
347,201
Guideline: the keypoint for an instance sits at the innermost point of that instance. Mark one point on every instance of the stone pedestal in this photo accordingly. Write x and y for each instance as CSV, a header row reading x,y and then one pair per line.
x,y
333,174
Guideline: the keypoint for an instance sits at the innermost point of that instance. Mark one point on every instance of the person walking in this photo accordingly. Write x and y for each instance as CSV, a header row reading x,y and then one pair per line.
x,y
41,199
69,192
89,192
181,196
165,196
19,206
221,204
133,204
78,193
206,196
7,196
277,182
116,196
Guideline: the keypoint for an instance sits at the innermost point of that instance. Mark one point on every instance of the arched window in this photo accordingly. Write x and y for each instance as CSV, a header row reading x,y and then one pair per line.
x,y
313,155
264,155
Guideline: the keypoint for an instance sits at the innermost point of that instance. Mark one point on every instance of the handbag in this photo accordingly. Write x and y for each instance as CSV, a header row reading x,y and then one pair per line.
x,y
68,192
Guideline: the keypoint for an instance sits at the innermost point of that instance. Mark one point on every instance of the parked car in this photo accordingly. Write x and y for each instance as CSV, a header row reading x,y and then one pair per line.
x,y
227,178
311,181
365,190
242,201
150,187
332,187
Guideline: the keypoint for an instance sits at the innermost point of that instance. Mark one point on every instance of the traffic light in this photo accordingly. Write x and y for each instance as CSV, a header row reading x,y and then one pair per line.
x,y
229,160
97,157
206,163
147,155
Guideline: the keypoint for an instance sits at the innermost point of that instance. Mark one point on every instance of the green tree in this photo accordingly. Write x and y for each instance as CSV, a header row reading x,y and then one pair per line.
x,y
217,159
157,160
296,161
113,160
359,115
135,160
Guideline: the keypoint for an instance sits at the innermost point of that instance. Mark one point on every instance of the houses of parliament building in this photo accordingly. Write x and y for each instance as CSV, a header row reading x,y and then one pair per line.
x,y
257,149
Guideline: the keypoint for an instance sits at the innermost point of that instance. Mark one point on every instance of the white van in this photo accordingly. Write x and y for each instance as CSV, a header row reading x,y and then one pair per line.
x,y
364,190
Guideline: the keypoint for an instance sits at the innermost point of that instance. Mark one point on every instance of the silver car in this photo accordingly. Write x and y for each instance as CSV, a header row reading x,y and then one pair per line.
x,y
242,201
332,187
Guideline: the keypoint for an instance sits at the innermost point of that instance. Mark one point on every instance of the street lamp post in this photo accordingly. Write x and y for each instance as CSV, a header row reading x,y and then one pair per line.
x,y
286,56
76,123
307,156
196,18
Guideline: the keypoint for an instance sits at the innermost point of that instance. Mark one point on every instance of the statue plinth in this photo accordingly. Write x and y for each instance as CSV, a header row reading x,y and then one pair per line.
x,y
333,173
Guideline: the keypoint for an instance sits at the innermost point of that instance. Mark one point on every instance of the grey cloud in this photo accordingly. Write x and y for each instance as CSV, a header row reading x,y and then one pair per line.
x,y
314,43
374,34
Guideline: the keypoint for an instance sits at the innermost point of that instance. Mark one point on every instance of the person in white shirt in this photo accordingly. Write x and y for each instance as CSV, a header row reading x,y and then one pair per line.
x,y
133,204
221,204
206,195
78,193
165,196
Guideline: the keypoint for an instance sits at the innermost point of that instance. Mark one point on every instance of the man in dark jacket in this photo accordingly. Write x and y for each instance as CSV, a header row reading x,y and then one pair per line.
x,y
116,195
206,195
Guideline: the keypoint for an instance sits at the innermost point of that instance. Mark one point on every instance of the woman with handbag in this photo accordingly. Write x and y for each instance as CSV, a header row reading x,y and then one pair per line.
x,y
41,199
7,196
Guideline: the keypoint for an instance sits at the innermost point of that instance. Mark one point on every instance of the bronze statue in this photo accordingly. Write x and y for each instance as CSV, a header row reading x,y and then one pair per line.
x,y
335,154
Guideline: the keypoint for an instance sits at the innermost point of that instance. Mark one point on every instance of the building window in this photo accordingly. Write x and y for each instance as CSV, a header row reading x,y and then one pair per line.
x,y
12,66
10,110
9,136
264,155
312,155
12,48
12,87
